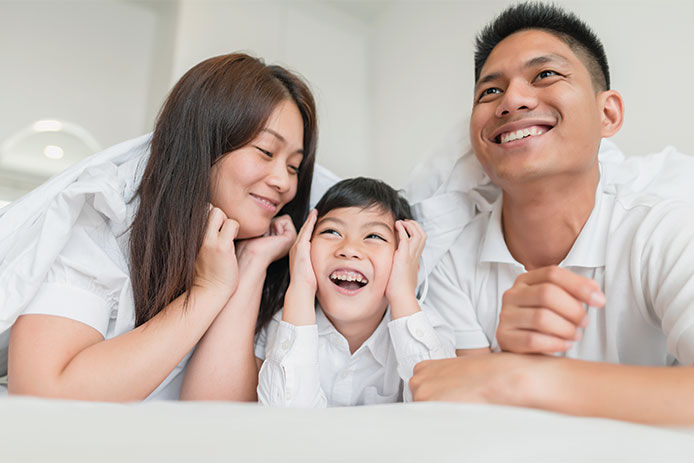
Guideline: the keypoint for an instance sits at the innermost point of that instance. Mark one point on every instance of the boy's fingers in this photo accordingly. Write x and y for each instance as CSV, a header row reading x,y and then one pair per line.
x,y
307,228
582,288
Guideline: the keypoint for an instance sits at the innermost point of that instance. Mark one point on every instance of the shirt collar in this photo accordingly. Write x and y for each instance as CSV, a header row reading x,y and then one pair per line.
x,y
588,250
378,343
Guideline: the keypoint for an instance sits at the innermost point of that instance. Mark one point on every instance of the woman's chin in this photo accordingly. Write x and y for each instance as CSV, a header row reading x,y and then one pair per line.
x,y
251,231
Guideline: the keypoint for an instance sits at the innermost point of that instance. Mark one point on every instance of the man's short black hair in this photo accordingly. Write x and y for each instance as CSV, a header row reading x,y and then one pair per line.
x,y
364,193
550,18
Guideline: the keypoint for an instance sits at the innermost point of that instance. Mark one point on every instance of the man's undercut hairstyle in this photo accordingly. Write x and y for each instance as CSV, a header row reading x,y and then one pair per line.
x,y
550,18
364,193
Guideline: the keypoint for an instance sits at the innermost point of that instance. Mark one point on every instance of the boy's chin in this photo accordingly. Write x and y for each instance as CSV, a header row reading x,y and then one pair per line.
x,y
340,308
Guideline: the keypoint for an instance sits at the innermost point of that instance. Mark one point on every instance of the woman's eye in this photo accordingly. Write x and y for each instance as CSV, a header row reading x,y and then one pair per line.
x,y
547,73
265,152
489,91
294,169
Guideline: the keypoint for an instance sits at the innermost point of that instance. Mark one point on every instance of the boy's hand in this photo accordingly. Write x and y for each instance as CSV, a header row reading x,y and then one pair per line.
x,y
543,311
299,306
402,284
267,248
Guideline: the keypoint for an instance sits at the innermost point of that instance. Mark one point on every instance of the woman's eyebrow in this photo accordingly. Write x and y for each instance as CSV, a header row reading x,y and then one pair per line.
x,y
280,138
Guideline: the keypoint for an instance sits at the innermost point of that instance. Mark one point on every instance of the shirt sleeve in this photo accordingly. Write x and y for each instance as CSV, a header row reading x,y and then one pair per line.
x,y
290,375
449,299
420,336
665,247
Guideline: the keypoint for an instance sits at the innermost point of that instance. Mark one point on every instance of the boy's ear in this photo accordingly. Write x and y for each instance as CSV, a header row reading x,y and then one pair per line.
x,y
611,107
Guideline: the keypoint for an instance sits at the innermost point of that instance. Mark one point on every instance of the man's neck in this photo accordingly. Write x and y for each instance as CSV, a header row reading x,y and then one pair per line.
x,y
541,221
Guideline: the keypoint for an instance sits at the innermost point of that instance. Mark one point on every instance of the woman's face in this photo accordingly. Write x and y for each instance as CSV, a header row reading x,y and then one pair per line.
x,y
253,183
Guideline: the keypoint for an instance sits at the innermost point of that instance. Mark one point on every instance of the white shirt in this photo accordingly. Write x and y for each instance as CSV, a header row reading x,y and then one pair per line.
x,y
637,246
64,248
311,366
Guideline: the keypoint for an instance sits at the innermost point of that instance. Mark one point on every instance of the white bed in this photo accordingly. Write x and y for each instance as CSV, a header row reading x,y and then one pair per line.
x,y
52,430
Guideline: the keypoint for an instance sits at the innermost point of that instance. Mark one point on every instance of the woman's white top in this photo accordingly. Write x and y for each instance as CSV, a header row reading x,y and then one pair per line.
x,y
64,248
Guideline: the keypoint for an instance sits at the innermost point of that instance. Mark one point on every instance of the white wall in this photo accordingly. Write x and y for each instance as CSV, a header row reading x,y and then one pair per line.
x,y
422,73
390,77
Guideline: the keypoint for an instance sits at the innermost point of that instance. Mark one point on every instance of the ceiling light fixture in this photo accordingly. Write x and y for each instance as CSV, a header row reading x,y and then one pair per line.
x,y
53,152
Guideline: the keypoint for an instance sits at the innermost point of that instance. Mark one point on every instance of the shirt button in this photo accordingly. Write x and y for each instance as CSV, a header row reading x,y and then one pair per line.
x,y
344,374
419,333
286,344
288,396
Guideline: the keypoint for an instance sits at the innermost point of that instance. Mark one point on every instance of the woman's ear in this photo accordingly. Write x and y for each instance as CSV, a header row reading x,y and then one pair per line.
x,y
612,112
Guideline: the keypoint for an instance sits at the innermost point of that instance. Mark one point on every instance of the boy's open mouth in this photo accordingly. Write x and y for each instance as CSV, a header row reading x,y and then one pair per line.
x,y
350,280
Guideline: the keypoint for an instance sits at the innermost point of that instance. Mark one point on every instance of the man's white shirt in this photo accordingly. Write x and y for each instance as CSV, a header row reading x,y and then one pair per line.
x,y
311,366
638,247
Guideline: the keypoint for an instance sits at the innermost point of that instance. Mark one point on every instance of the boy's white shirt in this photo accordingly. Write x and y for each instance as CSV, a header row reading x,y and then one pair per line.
x,y
311,366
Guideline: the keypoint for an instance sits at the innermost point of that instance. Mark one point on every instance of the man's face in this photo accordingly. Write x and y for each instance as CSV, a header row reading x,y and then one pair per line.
x,y
536,113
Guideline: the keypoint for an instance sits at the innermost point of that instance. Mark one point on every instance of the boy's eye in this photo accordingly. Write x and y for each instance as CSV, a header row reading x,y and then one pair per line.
x,y
329,231
488,91
376,236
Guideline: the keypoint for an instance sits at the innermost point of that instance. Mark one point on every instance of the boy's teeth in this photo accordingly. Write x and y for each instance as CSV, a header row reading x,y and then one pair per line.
x,y
521,133
348,276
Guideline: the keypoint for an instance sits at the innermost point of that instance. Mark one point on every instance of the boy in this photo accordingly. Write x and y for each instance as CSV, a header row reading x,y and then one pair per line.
x,y
351,329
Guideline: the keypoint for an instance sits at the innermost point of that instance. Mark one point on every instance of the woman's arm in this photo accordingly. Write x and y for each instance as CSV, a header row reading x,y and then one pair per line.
x,y
54,356
223,366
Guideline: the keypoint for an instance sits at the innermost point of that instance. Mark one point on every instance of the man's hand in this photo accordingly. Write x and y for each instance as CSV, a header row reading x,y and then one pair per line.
x,y
498,378
543,312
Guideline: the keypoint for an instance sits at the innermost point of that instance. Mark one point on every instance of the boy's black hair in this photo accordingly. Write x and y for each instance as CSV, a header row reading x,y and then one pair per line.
x,y
365,193
550,18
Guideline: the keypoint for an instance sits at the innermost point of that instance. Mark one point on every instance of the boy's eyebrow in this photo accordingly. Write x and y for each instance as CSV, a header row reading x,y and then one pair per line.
x,y
537,61
330,219
280,138
378,224
374,223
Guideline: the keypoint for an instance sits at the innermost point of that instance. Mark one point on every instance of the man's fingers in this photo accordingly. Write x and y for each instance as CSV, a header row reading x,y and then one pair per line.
x,y
548,296
544,321
532,342
582,288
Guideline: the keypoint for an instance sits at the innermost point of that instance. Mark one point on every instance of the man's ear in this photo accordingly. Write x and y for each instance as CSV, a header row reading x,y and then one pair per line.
x,y
611,112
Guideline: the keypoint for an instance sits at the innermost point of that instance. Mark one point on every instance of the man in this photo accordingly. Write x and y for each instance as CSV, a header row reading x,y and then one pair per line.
x,y
570,260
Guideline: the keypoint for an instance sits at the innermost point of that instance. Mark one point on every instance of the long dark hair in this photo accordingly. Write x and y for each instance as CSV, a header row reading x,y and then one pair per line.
x,y
218,106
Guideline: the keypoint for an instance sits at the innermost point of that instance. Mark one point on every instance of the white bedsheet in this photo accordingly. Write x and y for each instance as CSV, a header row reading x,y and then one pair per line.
x,y
51,430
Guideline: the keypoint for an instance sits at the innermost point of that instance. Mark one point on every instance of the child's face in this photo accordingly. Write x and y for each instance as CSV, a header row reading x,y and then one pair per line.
x,y
352,255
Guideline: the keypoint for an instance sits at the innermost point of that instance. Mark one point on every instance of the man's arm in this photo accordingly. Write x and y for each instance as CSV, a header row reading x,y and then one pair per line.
x,y
653,395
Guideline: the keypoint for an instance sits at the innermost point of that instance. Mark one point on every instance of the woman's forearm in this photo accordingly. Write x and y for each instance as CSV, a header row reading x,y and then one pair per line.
x,y
223,366
58,357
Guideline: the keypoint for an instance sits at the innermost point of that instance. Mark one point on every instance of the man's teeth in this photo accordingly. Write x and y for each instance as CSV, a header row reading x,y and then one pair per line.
x,y
521,133
348,276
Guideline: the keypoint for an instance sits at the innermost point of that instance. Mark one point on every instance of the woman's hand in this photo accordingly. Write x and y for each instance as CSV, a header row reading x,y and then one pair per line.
x,y
402,284
216,267
268,248
299,306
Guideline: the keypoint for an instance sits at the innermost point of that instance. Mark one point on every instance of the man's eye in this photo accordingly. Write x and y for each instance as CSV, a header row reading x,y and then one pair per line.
x,y
265,152
376,236
547,73
489,91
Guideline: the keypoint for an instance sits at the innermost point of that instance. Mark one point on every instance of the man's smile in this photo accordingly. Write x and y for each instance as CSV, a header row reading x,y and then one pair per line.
x,y
521,129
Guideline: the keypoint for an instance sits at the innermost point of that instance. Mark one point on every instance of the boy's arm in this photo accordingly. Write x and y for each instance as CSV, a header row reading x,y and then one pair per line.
x,y
290,375
653,395
416,335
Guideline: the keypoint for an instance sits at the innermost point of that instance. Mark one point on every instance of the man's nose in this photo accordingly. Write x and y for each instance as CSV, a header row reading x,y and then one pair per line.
x,y
518,96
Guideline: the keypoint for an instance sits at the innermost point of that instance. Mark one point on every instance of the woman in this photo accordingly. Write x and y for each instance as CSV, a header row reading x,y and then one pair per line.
x,y
146,259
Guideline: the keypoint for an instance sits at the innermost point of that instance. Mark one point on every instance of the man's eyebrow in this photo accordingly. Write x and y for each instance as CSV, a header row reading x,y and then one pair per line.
x,y
280,138
537,61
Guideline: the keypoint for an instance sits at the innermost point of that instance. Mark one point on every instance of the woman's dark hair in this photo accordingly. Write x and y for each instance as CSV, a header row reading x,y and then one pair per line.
x,y
218,106
364,193
565,25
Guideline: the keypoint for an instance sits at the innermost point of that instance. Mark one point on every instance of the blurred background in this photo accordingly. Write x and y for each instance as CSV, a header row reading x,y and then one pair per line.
x,y
391,78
